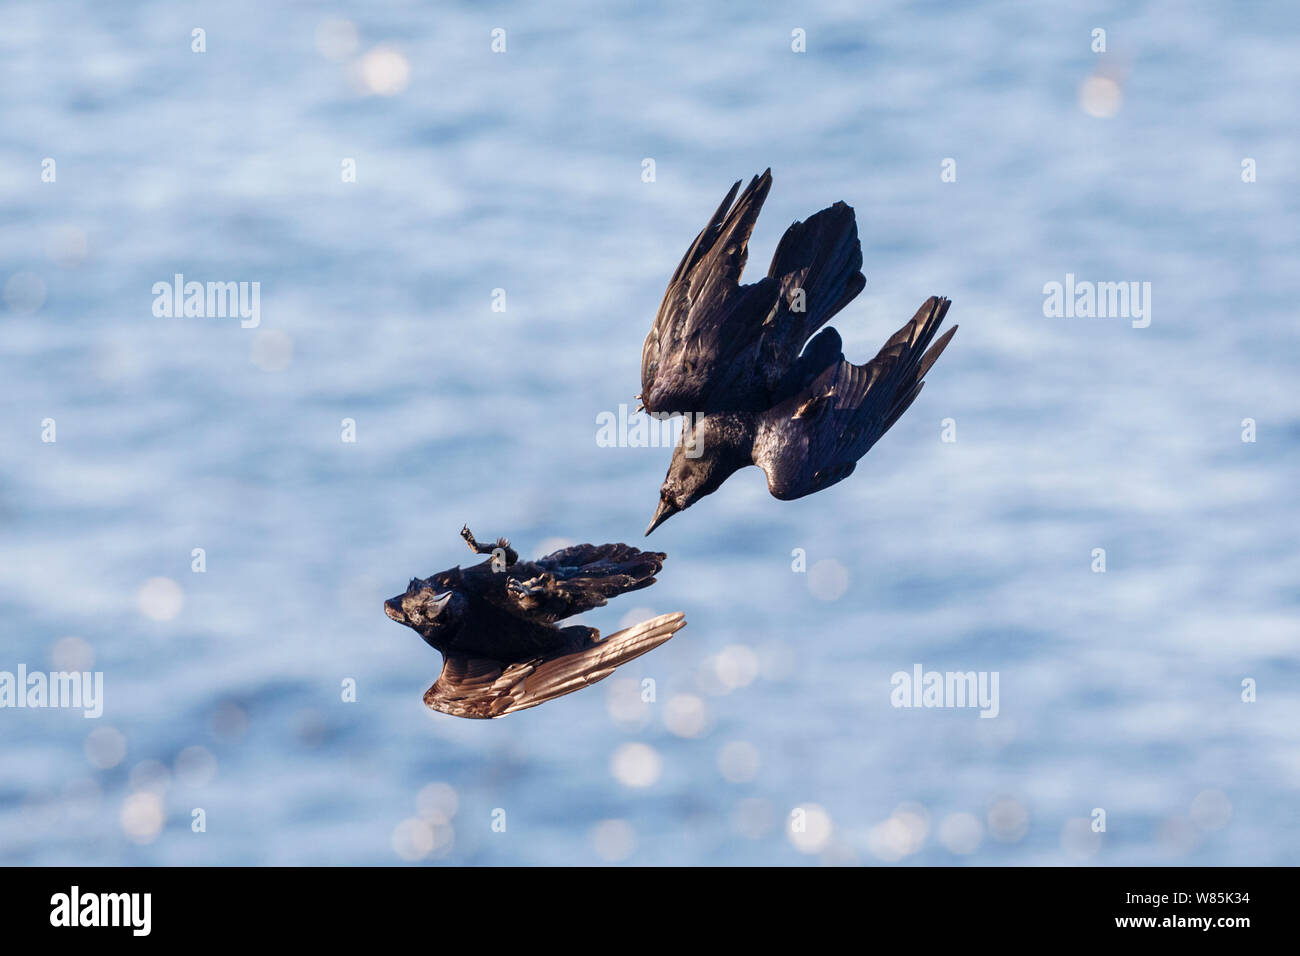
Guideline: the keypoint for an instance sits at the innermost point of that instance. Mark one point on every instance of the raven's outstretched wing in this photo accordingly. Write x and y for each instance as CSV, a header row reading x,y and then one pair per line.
x,y
579,578
719,346
814,439
475,687
708,322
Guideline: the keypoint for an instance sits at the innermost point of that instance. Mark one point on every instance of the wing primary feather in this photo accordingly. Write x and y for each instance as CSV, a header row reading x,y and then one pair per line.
x,y
478,688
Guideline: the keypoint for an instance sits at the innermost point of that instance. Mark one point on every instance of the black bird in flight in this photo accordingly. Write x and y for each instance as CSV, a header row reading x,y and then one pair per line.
x,y
737,360
494,624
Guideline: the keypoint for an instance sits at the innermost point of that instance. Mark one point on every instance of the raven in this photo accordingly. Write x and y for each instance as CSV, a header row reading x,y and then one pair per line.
x,y
494,624
738,360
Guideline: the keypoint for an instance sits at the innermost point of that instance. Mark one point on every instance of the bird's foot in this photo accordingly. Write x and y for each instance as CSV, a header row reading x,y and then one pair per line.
x,y
501,549
528,594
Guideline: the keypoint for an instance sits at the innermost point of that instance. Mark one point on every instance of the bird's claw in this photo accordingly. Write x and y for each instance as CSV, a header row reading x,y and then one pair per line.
x,y
527,592
502,547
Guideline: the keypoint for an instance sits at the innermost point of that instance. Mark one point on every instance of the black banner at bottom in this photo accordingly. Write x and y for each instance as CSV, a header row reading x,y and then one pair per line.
x,y
309,905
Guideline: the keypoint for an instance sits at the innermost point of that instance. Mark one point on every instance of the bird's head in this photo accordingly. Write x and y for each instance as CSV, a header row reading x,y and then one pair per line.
x,y
434,613
699,466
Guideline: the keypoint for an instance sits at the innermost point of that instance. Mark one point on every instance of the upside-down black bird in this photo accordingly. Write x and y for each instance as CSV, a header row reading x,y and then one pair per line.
x,y
737,360
494,624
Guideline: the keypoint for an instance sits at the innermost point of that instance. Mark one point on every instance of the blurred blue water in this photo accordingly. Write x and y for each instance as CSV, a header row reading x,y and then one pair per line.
x,y
522,171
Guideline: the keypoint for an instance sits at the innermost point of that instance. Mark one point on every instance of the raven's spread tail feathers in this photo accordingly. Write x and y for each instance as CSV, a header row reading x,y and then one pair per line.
x,y
475,687
822,257
818,264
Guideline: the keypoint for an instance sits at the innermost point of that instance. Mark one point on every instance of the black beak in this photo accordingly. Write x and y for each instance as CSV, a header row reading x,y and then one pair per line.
x,y
666,510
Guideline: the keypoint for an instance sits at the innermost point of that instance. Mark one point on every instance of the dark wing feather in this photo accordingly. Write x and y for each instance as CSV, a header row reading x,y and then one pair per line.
x,y
579,578
475,687
818,264
814,439
708,323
